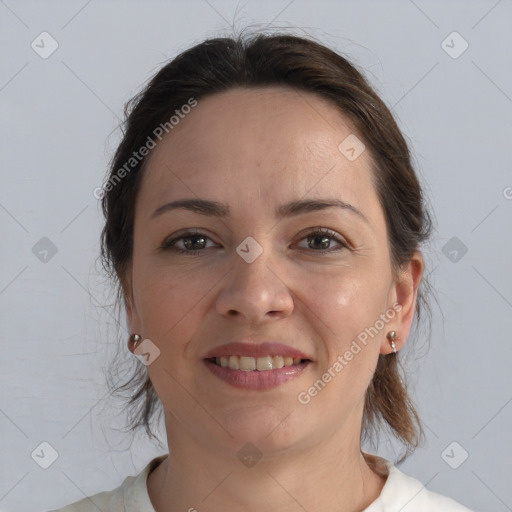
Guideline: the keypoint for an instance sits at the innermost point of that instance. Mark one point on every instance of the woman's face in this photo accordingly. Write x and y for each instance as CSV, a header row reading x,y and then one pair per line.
x,y
254,272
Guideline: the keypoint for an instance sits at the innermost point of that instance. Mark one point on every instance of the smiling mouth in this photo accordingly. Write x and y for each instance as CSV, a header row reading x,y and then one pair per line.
x,y
248,364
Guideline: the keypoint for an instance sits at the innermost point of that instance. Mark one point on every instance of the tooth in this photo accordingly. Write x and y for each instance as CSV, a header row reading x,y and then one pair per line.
x,y
247,363
278,362
233,362
264,363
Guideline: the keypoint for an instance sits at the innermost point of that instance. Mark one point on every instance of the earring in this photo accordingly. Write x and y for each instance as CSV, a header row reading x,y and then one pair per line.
x,y
135,338
392,336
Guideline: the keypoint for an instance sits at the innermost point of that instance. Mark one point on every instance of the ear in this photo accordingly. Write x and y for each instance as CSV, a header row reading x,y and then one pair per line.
x,y
132,317
404,292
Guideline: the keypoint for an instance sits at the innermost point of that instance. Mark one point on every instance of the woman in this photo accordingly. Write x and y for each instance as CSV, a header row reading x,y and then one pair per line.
x,y
264,222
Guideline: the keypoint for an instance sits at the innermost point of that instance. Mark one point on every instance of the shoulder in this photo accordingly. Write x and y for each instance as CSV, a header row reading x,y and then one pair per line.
x,y
130,496
107,500
407,494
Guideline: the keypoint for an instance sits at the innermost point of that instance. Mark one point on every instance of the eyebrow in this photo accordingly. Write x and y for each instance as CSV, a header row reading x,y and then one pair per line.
x,y
216,209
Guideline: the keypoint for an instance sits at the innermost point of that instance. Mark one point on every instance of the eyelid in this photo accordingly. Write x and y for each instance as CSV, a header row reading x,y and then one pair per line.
x,y
171,240
320,230
169,243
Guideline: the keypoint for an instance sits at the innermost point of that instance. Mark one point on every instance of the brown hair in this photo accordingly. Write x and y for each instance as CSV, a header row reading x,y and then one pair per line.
x,y
280,59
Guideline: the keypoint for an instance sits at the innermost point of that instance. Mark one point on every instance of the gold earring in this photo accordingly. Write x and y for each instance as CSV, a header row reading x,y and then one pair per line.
x,y
392,336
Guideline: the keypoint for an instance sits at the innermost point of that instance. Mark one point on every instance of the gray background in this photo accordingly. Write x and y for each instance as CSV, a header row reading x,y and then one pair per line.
x,y
58,133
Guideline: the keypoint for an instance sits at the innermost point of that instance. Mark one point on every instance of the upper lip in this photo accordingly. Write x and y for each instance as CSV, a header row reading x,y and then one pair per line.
x,y
266,348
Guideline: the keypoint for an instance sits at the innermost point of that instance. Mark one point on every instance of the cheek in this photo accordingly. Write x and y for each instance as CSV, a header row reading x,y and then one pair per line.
x,y
346,303
344,310
169,302
170,308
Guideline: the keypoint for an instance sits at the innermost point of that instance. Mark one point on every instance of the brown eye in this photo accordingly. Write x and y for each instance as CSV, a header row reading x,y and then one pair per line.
x,y
189,243
321,239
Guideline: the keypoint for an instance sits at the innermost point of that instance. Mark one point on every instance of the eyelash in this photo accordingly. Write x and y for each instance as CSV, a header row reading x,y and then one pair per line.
x,y
169,245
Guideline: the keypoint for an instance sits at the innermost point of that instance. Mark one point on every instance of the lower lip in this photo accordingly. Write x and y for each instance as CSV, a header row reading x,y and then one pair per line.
x,y
257,380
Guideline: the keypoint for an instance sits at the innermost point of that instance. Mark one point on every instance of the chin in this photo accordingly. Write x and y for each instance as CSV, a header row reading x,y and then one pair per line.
x,y
271,430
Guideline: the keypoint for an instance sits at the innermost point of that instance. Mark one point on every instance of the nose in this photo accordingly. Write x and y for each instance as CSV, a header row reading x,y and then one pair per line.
x,y
255,292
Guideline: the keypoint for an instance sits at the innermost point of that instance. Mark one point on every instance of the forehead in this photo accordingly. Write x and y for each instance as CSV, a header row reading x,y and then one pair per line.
x,y
274,141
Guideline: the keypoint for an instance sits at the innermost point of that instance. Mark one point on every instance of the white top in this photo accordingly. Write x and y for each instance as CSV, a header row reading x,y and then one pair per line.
x,y
400,493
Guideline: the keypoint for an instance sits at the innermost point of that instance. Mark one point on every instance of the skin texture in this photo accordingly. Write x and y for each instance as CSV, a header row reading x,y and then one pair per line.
x,y
254,150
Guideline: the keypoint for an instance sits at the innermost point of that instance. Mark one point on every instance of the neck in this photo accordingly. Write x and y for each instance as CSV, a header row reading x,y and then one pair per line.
x,y
334,475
